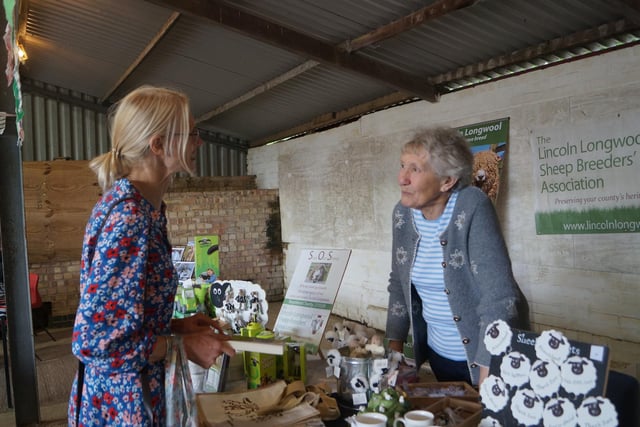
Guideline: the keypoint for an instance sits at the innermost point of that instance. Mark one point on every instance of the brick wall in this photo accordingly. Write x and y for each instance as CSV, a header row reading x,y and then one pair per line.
x,y
247,221
241,219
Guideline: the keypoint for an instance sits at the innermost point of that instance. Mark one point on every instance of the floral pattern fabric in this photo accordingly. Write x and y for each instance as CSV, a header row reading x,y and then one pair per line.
x,y
128,285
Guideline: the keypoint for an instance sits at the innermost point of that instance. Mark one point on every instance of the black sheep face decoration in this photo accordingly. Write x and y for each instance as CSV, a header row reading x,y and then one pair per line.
x,y
217,292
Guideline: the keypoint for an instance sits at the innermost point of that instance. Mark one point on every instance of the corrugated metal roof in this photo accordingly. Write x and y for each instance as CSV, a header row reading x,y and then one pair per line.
x,y
60,129
262,70
486,30
213,64
297,101
333,21
82,45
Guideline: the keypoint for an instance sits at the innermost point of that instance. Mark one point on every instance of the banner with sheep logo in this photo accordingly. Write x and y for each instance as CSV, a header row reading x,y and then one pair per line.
x,y
488,141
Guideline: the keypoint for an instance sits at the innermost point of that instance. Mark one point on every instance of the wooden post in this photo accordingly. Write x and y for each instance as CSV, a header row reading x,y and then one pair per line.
x,y
15,264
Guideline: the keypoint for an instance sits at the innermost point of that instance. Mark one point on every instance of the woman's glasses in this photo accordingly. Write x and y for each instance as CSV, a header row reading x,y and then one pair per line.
x,y
194,136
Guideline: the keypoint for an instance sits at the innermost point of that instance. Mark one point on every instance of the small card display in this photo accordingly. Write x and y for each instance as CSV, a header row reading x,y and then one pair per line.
x,y
544,379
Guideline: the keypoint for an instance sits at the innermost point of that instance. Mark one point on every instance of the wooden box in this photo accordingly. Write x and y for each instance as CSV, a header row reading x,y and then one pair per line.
x,y
425,394
468,413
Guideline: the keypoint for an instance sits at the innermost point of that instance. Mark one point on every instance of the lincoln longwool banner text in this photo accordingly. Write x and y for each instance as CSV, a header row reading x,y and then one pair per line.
x,y
586,176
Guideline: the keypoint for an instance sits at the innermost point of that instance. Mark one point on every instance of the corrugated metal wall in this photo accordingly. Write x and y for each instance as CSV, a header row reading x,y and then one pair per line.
x,y
61,124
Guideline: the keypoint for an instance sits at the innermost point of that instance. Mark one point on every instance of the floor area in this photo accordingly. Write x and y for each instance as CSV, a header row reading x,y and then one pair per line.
x,y
55,367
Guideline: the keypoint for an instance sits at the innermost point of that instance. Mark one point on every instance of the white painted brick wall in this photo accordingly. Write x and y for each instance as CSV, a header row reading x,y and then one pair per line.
x,y
337,190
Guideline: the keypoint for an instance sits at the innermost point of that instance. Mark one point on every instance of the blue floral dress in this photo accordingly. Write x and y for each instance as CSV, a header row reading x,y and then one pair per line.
x,y
128,285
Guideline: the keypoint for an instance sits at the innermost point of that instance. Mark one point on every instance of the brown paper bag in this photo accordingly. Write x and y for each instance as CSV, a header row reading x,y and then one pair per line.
x,y
252,408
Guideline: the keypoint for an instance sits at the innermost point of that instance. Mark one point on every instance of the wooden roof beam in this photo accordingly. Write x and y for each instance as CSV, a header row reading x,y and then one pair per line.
x,y
302,44
335,117
145,52
406,23
392,29
574,40
302,68
523,55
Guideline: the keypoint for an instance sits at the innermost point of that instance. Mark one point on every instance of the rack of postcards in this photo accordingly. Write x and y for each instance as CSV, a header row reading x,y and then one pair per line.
x,y
242,309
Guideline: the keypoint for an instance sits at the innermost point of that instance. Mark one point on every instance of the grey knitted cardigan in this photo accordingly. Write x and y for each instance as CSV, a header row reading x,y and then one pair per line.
x,y
478,278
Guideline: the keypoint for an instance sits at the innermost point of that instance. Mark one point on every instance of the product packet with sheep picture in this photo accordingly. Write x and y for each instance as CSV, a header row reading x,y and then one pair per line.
x,y
543,379
207,260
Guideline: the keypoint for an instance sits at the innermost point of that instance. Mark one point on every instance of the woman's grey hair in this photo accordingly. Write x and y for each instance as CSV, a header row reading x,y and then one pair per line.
x,y
449,153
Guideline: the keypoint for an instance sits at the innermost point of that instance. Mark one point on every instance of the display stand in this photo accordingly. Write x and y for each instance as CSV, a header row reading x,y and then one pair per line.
x,y
544,379
311,294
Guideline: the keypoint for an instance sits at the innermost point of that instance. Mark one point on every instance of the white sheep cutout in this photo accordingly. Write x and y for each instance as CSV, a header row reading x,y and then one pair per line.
x,y
579,375
497,337
527,407
559,412
494,393
489,421
515,368
596,411
552,346
544,378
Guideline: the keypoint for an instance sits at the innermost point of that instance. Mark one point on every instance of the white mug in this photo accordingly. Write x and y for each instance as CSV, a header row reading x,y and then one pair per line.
x,y
415,418
370,419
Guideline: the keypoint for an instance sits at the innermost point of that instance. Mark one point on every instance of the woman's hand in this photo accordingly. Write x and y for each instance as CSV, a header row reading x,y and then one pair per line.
x,y
396,345
199,322
205,347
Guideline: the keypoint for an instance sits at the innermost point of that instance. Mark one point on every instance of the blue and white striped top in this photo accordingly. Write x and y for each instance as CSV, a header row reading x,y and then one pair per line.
x,y
428,278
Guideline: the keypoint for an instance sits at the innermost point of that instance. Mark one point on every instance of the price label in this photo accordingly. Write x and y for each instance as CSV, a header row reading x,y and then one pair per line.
x,y
359,399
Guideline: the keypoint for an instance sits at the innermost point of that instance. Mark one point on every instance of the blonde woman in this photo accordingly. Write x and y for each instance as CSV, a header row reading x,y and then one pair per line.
x,y
123,327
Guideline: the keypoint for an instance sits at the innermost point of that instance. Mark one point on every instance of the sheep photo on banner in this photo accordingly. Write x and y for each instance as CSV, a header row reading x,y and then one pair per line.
x,y
488,141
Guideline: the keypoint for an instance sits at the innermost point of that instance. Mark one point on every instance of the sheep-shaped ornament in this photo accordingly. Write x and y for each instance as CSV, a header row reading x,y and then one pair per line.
x,y
527,407
494,393
559,412
597,411
552,346
544,378
489,421
355,340
497,337
515,369
579,375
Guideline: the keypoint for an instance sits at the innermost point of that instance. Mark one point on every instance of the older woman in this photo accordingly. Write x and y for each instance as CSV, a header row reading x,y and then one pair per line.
x,y
123,326
451,273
